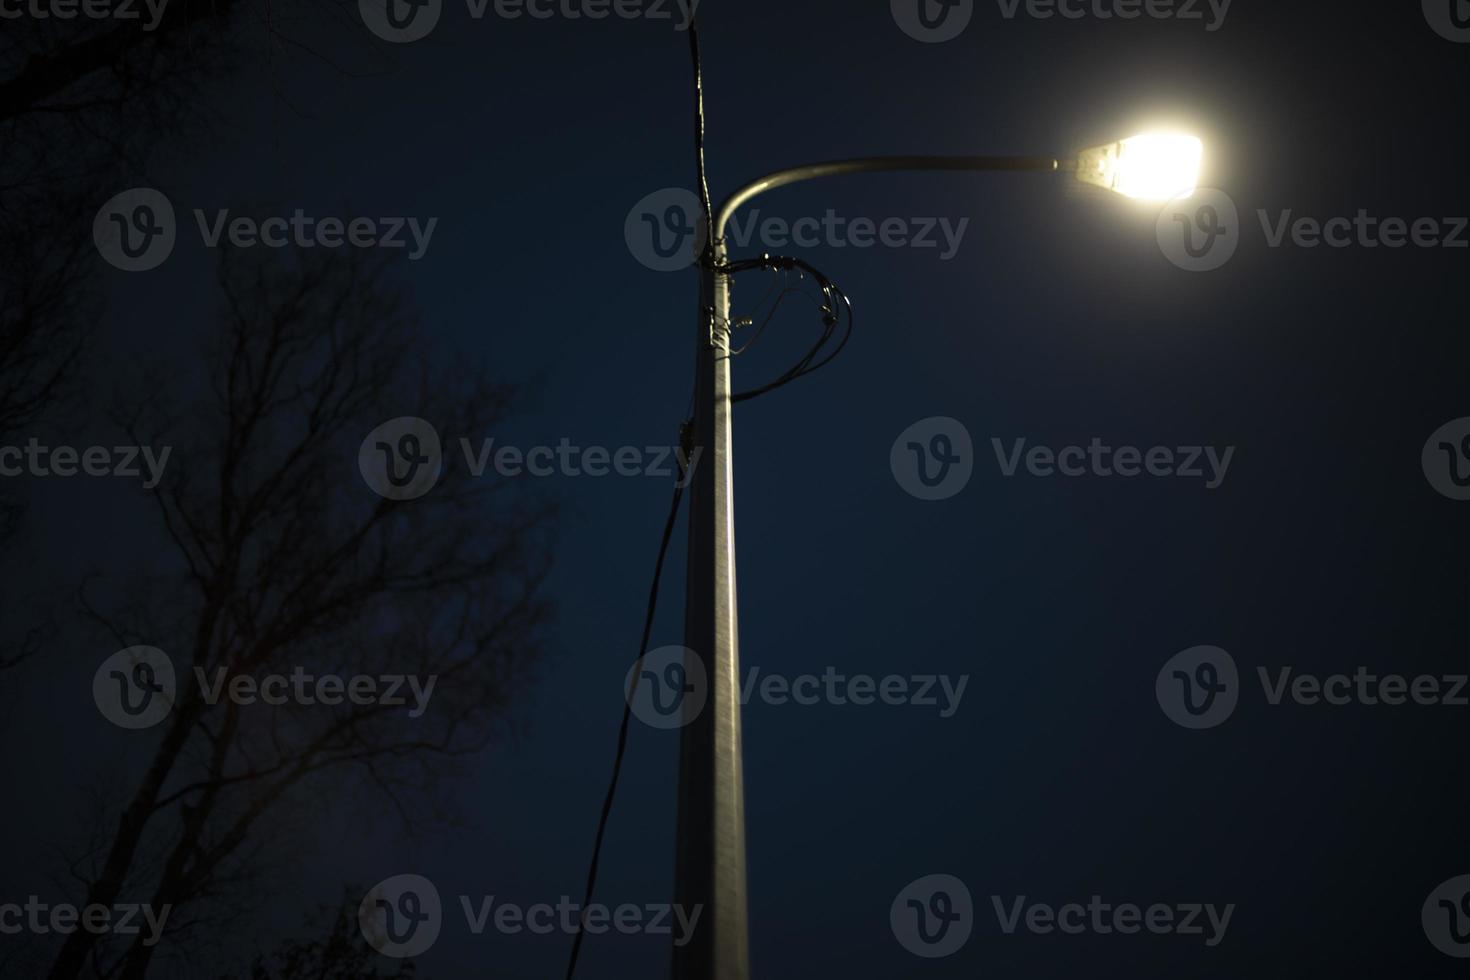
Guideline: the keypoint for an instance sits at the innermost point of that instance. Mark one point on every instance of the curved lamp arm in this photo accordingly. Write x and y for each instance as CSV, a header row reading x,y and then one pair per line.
x,y
874,164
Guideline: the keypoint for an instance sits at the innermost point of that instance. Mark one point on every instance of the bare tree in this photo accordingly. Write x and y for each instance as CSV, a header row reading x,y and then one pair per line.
x,y
78,97
340,954
47,308
289,561
86,68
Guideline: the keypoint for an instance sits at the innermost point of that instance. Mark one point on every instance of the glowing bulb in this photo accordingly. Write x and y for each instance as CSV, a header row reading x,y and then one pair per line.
x,y
1151,167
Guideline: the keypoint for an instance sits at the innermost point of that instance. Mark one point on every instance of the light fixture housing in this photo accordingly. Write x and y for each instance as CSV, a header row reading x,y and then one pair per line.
x,y
1150,166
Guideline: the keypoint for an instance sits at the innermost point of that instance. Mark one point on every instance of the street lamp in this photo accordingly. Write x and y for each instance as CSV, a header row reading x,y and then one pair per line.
x,y
1151,166
710,856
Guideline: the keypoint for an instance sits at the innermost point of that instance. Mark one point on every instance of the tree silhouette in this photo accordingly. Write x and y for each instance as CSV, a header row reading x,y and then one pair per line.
x,y
340,954
81,100
287,559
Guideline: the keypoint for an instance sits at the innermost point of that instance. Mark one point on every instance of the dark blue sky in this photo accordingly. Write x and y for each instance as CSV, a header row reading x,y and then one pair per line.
x,y
1058,321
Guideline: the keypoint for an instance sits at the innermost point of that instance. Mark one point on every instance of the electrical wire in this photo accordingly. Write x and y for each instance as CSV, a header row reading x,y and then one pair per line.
x,y
686,441
701,177
775,308
836,310
612,788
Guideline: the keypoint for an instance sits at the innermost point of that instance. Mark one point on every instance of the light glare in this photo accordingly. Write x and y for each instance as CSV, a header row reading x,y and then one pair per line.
x,y
1150,166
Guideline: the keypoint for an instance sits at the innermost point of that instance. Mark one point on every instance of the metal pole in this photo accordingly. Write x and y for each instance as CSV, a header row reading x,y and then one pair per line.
x,y
709,865
710,862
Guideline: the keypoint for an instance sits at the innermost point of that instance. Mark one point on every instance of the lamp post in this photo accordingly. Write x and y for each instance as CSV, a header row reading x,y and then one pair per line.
x,y
710,856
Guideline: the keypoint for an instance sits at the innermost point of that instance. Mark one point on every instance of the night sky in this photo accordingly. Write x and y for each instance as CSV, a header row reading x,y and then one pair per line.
x,y
1058,320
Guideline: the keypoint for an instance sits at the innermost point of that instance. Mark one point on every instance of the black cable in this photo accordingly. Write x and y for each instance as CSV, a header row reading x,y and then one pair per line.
x,y
760,330
836,310
612,788
686,441
699,172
